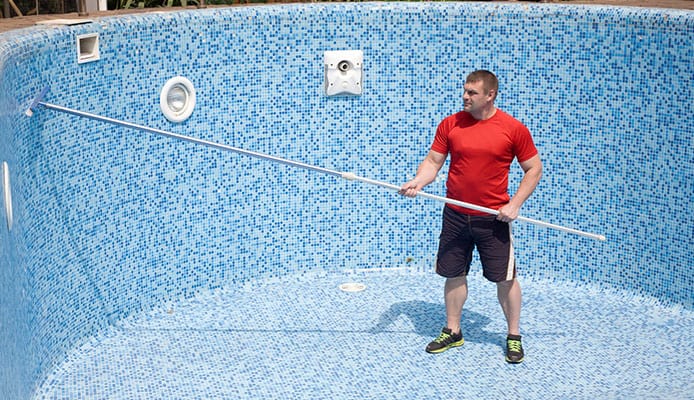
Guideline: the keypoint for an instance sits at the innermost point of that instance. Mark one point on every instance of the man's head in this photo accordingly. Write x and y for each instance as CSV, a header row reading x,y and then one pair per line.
x,y
481,87
488,79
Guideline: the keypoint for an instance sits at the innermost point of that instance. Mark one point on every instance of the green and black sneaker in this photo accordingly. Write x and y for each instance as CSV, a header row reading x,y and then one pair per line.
x,y
445,341
514,349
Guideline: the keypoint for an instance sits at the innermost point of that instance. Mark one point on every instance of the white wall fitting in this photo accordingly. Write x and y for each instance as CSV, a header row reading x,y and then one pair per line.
x,y
7,194
87,47
343,72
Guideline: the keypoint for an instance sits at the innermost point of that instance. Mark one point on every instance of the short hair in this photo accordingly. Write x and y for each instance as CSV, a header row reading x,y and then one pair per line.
x,y
488,78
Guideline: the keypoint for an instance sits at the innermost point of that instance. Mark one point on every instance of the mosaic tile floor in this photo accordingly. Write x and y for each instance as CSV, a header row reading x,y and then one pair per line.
x,y
303,338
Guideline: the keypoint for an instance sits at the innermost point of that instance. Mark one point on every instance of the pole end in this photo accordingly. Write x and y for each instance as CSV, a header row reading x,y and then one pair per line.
x,y
30,111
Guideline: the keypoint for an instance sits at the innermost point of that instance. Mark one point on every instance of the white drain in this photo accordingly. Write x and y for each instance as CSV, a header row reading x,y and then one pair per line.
x,y
352,287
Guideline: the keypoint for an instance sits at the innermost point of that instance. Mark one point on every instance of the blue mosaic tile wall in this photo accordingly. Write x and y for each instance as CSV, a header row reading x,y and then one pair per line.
x,y
110,221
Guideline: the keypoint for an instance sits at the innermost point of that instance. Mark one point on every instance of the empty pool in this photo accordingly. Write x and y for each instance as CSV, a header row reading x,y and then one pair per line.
x,y
136,265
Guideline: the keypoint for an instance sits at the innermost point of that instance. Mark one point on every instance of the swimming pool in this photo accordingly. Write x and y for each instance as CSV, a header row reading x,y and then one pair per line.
x,y
141,266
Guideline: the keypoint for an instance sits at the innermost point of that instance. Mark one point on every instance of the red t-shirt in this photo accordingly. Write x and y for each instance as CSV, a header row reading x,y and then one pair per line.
x,y
481,155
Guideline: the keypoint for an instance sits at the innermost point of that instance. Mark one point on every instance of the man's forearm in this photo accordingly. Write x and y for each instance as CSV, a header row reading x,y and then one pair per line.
x,y
527,186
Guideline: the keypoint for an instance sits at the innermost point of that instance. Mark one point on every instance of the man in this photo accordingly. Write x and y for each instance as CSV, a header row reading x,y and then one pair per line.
x,y
482,141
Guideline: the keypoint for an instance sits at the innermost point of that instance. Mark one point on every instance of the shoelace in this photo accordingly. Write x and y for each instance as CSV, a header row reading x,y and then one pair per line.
x,y
514,346
443,337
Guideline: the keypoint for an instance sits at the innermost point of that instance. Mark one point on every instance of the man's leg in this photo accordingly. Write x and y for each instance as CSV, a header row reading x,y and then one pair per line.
x,y
453,260
509,294
495,246
455,295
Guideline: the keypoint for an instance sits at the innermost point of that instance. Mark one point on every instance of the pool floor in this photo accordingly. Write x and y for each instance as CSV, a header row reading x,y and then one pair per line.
x,y
300,337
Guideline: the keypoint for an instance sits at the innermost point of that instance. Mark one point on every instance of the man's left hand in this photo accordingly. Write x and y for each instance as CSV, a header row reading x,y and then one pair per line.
x,y
508,213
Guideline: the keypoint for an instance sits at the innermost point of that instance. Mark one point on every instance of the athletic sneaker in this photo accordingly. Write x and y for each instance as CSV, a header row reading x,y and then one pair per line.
x,y
514,349
445,341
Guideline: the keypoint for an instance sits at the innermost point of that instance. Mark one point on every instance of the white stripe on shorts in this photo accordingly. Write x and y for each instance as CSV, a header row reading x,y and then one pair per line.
x,y
510,268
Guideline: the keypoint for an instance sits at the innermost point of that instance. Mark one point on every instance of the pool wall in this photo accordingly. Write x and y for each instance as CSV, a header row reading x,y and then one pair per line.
x,y
110,222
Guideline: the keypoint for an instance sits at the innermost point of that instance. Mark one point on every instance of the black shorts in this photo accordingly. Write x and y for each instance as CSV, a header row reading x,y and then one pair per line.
x,y
461,233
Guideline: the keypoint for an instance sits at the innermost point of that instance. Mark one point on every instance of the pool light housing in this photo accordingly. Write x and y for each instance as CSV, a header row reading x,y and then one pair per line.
x,y
177,99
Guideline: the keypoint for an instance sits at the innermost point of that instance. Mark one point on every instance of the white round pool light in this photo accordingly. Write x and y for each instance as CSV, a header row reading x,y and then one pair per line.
x,y
177,99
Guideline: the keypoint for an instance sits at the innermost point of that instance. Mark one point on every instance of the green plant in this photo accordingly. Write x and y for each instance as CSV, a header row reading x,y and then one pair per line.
x,y
125,4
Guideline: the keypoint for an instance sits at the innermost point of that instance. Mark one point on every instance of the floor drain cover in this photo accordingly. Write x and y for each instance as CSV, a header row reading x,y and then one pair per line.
x,y
352,287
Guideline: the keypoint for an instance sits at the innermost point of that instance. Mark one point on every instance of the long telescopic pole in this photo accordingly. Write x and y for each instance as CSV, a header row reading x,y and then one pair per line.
x,y
344,175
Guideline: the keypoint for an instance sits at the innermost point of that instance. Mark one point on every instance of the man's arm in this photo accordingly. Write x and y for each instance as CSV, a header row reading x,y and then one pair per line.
x,y
426,173
532,169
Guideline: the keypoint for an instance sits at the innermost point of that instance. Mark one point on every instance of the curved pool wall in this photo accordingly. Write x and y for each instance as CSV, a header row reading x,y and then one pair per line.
x,y
109,222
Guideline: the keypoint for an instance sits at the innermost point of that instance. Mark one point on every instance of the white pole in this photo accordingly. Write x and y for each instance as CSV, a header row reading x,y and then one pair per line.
x,y
346,175
351,176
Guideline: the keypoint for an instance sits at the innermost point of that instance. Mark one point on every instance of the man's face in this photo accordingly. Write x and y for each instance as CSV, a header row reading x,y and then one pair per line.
x,y
475,97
